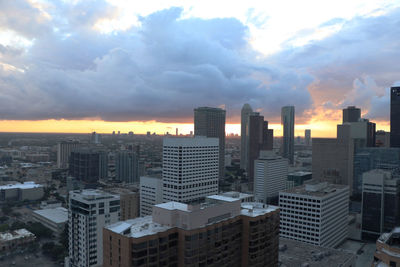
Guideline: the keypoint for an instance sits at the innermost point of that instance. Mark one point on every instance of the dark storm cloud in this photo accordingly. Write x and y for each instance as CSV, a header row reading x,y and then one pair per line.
x,y
160,70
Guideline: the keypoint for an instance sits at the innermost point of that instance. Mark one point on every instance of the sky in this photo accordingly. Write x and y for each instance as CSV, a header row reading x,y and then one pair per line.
x,y
97,65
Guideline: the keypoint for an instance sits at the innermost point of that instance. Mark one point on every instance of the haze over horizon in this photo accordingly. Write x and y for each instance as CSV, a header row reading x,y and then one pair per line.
x,y
81,66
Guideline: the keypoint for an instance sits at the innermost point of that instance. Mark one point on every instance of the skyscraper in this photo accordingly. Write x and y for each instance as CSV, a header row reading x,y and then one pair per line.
x,y
246,111
64,150
395,117
307,137
89,211
127,167
190,168
288,133
351,114
210,122
88,164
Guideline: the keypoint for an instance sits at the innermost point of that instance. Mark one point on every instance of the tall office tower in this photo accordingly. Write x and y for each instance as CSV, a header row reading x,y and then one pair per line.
x,y
190,168
395,117
259,137
369,158
315,213
64,150
307,137
151,193
271,173
362,132
332,160
288,133
245,113
210,122
95,138
89,211
380,210
88,164
127,167
351,114
220,232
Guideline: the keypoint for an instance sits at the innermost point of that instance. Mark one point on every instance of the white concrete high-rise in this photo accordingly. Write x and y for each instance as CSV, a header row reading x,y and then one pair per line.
x,y
315,213
270,176
89,211
190,168
245,113
150,194
288,133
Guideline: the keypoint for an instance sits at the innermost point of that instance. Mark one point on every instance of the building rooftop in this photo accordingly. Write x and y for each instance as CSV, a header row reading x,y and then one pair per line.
x,y
26,185
11,235
172,205
295,253
238,195
56,215
254,209
91,194
316,189
300,173
138,227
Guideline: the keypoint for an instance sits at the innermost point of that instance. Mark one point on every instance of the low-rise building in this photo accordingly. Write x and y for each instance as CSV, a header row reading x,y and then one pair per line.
x,y
244,197
222,231
19,192
11,239
294,253
54,218
388,249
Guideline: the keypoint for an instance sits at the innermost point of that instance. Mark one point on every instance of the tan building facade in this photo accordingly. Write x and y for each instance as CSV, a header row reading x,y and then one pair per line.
x,y
388,249
234,234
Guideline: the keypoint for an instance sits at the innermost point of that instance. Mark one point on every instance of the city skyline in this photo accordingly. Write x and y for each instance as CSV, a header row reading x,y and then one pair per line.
x,y
104,65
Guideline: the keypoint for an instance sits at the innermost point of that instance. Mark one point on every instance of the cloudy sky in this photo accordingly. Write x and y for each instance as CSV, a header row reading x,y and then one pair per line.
x,y
83,65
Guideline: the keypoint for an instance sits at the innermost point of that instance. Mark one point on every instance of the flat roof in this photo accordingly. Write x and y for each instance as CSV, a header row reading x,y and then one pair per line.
x,y
314,188
172,205
137,227
254,209
16,234
295,253
56,215
223,198
26,185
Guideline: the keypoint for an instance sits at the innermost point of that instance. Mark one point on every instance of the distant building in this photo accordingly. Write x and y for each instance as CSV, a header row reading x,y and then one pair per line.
x,y
10,240
64,150
220,232
315,213
332,160
242,196
190,168
151,193
257,140
95,138
288,133
299,177
210,122
307,137
294,253
127,167
369,158
129,201
88,165
382,139
380,210
89,211
362,132
395,117
351,114
388,249
20,192
53,218
271,172
245,113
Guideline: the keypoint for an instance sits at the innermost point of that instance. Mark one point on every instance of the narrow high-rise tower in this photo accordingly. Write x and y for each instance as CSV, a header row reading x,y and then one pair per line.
x,y
246,111
288,133
210,122
307,137
395,117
